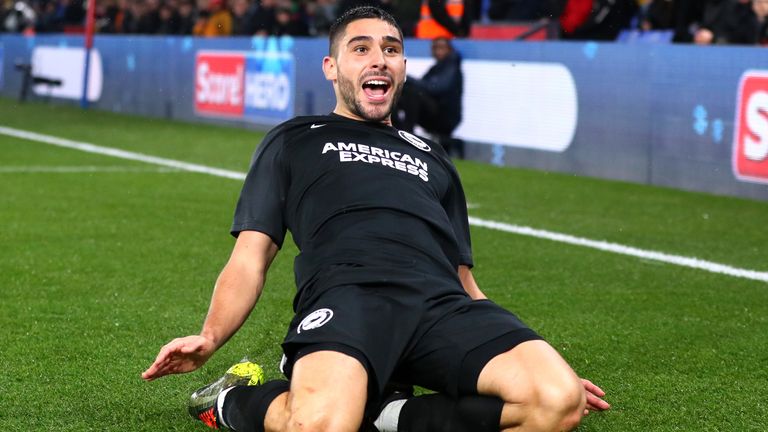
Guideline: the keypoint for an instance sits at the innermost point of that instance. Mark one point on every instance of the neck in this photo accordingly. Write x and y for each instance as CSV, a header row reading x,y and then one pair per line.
x,y
344,112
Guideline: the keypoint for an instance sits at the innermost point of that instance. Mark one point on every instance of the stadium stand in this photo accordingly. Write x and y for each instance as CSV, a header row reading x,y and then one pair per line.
x,y
700,21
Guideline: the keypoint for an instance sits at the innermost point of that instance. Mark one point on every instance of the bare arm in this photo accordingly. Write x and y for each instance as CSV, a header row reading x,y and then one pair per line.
x,y
239,286
237,289
469,283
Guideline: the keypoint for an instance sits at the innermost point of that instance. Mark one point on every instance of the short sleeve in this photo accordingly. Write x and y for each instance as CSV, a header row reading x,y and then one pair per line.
x,y
455,204
261,206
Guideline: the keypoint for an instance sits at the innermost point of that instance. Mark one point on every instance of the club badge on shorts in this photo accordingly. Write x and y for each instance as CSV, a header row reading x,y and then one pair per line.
x,y
315,319
414,140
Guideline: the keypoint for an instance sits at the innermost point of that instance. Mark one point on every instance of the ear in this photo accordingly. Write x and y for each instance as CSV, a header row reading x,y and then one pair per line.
x,y
329,68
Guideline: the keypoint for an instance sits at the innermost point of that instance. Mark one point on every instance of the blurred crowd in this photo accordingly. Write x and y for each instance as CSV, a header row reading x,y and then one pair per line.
x,y
695,21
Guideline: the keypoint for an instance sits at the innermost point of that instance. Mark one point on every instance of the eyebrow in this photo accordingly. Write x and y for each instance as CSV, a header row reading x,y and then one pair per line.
x,y
390,39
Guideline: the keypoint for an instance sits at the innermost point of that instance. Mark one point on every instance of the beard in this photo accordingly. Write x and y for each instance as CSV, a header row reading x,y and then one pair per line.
x,y
376,113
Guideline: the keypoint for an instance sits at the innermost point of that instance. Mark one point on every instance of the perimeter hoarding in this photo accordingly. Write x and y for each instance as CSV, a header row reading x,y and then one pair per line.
x,y
681,116
750,146
2,69
255,86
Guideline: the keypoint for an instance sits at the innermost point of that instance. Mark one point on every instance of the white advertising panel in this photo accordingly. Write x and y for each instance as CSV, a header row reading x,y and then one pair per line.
x,y
519,104
68,65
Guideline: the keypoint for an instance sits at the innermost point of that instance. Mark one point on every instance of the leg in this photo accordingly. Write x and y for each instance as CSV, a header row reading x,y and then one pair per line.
x,y
328,393
482,348
541,392
441,413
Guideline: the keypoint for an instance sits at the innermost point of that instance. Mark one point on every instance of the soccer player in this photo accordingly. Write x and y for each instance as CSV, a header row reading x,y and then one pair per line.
x,y
384,287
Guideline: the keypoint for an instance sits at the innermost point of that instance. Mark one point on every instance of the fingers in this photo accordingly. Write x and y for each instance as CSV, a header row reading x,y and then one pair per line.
x,y
168,359
594,403
157,369
592,388
594,396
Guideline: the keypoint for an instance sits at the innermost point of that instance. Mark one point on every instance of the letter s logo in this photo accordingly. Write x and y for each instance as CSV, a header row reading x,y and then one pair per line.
x,y
757,124
203,89
750,143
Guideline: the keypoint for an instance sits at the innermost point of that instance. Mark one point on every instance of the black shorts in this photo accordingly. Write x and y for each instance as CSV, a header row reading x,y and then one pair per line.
x,y
440,342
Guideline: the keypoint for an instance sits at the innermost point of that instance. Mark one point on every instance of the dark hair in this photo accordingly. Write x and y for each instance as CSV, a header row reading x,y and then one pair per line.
x,y
354,14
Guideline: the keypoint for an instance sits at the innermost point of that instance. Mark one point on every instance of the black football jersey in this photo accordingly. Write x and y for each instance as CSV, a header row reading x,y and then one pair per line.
x,y
355,193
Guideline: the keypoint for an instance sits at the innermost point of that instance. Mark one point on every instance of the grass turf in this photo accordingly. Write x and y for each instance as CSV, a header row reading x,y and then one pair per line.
x,y
98,269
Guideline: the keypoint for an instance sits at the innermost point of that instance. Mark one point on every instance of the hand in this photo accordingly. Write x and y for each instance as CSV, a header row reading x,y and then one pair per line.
x,y
594,397
180,355
703,37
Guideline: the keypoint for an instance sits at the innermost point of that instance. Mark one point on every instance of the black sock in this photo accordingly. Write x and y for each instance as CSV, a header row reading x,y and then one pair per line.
x,y
246,406
440,413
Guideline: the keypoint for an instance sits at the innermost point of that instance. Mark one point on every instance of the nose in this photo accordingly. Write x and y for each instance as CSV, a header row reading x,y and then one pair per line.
x,y
378,60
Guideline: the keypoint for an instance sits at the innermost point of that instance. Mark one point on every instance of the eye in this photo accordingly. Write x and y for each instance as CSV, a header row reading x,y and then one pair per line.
x,y
392,50
360,49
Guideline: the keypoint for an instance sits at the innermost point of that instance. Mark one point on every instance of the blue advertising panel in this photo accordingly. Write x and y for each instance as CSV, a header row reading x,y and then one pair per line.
x,y
673,115
255,86
269,78
2,61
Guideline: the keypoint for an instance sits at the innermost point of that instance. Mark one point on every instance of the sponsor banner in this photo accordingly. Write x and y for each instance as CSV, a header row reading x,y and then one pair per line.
x,y
256,86
750,144
520,104
219,81
68,65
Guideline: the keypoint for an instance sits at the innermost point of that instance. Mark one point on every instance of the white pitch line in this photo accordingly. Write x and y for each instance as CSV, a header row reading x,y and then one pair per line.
x,y
80,169
623,250
122,154
694,263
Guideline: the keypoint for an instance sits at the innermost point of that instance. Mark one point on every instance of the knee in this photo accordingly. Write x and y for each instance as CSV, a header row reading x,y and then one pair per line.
x,y
325,421
560,407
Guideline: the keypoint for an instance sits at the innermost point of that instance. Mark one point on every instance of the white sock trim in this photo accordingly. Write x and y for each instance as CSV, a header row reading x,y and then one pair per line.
x,y
220,407
387,420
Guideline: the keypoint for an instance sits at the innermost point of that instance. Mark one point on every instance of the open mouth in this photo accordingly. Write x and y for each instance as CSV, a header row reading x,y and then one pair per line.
x,y
376,89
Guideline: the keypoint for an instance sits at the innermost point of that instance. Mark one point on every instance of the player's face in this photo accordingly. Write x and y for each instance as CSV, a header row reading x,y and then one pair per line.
x,y
368,71
440,49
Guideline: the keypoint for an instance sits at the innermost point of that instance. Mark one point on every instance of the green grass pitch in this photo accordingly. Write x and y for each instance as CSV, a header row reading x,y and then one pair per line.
x,y
103,260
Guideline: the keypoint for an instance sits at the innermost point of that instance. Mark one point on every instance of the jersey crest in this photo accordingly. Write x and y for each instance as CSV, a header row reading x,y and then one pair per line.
x,y
316,319
414,140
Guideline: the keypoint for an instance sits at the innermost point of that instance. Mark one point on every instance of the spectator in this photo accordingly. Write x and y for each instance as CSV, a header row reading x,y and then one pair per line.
x,y
687,15
286,23
74,14
760,7
168,19
149,19
264,21
109,11
132,14
434,101
3,15
49,20
215,21
658,15
605,20
407,14
320,15
524,10
575,14
19,18
728,22
186,14
242,18
444,18
115,17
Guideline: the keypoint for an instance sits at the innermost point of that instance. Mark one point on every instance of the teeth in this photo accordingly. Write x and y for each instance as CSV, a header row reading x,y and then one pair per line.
x,y
376,82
